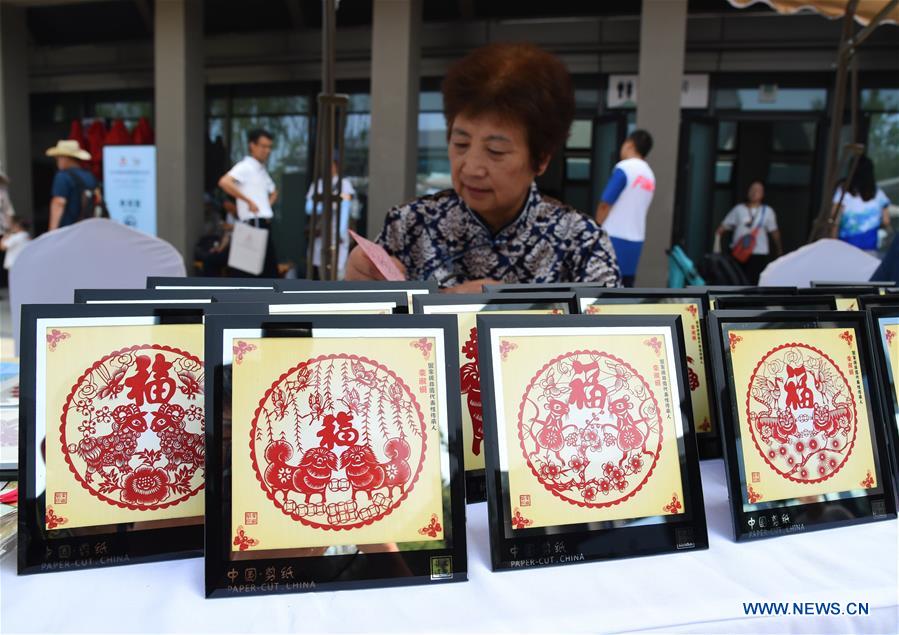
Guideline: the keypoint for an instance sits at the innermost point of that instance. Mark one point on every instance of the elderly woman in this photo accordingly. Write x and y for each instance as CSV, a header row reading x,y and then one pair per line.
x,y
508,108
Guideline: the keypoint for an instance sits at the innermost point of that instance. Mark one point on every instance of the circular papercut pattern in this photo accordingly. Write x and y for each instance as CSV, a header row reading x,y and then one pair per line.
x,y
590,428
338,442
132,427
801,413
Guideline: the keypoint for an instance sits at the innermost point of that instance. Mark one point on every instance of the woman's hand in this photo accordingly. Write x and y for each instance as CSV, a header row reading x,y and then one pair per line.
x,y
359,267
471,286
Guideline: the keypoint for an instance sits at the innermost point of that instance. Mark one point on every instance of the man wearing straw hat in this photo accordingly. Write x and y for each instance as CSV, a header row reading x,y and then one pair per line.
x,y
69,183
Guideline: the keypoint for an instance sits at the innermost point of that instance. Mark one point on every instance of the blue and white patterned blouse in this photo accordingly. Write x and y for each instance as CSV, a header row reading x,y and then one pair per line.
x,y
440,237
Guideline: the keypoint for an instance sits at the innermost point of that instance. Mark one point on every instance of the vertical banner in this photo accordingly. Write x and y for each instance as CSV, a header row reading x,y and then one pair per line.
x,y
129,185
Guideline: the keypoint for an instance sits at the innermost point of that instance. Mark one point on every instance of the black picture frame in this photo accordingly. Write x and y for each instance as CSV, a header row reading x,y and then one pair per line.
x,y
41,549
776,302
315,301
845,297
475,485
145,296
718,291
709,441
879,318
537,287
871,284
163,283
324,572
752,520
525,547
866,302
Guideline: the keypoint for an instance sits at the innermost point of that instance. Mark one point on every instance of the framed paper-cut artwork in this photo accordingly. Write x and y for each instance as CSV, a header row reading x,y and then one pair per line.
x,y
776,302
411,288
802,422
163,283
592,454
870,301
716,291
143,296
112,444
870,285
375,303
845,297
692,308
334,459
885,328
537,287
466,308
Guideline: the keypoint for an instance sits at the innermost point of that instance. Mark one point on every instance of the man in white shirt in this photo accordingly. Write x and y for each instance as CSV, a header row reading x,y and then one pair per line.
x,y
253,189
625,202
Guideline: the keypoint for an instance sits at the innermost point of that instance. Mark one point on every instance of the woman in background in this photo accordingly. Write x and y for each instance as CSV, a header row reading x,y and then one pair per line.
x,y
754,215
508,109
864,208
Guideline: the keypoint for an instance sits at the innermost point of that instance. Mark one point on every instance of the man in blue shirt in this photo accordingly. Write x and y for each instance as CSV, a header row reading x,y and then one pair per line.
x,y
69,184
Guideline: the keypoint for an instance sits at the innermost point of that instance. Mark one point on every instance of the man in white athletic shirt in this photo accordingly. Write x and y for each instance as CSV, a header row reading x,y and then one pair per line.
x,y
625,202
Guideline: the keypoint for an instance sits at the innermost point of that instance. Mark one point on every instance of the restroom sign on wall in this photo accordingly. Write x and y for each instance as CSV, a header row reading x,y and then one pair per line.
x,y
623,91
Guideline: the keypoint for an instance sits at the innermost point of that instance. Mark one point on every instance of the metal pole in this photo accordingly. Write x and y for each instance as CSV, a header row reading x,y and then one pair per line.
x,y
821,228
329,130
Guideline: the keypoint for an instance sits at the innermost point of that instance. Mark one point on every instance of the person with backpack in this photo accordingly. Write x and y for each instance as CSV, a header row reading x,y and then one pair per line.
x,y
752,223
74,191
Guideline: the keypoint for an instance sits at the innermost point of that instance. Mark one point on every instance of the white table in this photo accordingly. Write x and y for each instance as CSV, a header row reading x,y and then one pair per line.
x,y
702,591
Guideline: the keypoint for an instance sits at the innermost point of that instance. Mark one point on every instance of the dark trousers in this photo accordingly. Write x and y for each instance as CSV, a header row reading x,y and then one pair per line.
x,y
270,265
754,266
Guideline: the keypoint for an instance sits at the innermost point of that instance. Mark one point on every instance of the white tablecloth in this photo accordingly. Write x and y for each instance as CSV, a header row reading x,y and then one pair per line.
x,y
702,591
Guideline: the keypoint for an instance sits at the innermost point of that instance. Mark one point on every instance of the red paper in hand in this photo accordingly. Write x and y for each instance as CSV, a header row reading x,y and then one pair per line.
x,y
379,258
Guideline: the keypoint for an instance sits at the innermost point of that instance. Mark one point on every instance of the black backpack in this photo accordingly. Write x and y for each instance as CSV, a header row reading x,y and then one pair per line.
x,y
92,204
721,269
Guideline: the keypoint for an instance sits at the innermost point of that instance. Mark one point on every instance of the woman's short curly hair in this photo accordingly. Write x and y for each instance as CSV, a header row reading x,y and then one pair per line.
x,y
515,82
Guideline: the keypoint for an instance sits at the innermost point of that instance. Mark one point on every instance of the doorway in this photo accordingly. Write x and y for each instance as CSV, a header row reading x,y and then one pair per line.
x,y
721,156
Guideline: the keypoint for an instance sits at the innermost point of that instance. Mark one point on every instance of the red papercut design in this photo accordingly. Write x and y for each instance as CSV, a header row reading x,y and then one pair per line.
x,y
424,345
693,310
847,337
655,344
471,386
242,541
590,428
734,339
107,441
592,309
506,347
754,496
557,312
519,521
801,413
338,441
704,426
54,337
240,349
674,506
692,377
889,334
868,483
433,528
54,521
